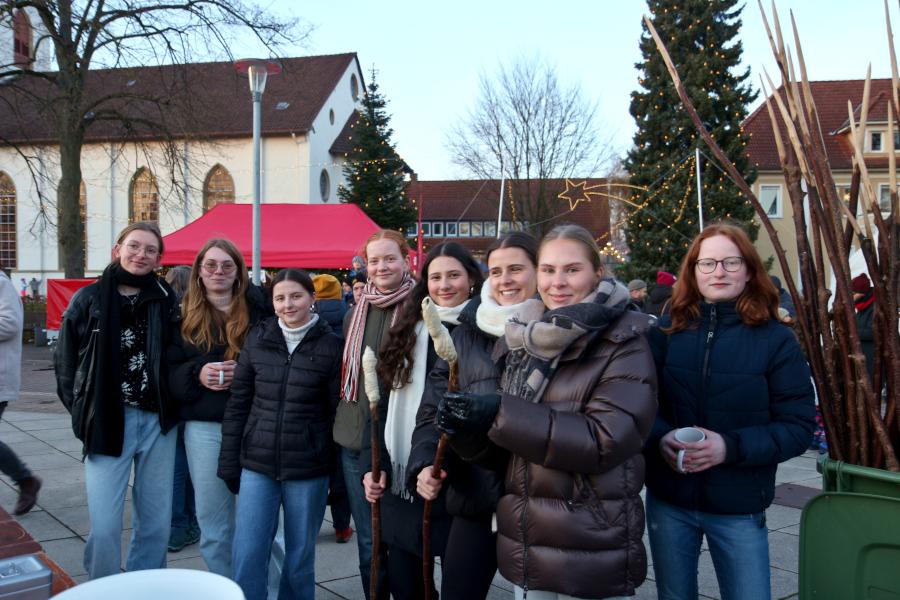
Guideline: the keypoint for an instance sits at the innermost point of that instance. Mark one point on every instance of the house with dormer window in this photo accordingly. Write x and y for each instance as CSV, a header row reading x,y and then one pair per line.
x,y
202,110
831,98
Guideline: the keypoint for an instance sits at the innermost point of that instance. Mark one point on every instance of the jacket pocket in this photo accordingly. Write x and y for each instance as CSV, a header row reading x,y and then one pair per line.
x,y
587,495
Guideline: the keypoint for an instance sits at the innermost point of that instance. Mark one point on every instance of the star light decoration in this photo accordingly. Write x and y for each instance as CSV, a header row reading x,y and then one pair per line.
x,y
579,192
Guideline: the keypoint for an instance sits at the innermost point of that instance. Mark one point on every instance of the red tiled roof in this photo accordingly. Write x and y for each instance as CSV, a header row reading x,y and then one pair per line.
x,y
476,199
343,143
206,100
831,99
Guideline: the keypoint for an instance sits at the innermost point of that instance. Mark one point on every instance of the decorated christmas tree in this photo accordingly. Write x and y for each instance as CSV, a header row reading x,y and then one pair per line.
x,y
702,38
374,172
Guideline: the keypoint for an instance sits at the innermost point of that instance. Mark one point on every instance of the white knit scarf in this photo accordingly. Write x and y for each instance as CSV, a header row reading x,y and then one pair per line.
x,y
403,405
492,317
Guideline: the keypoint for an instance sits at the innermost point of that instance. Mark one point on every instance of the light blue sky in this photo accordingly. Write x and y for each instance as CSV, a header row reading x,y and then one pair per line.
x,y
429,55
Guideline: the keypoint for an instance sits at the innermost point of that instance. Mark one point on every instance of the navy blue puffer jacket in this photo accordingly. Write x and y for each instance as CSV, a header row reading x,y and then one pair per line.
x,y
749,384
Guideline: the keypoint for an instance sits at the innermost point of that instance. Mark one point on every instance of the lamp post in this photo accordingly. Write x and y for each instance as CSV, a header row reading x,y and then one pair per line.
x,y
257,71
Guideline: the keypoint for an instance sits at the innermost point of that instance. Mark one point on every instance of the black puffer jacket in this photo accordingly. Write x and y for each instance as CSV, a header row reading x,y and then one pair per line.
x,y
196,402
472,489
278,419
96,419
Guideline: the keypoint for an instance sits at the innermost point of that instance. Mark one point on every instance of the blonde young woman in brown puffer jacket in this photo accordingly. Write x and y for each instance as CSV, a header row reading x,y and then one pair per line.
x,y
578,399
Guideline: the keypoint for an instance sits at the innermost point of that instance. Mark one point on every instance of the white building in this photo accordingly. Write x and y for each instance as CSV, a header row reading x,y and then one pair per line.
x,y
307,115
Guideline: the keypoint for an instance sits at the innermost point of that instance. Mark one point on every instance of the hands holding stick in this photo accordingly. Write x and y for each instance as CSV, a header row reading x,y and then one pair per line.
x,y
443,347
374,394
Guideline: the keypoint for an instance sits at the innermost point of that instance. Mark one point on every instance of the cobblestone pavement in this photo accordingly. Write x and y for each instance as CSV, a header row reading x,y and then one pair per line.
x,y
38,428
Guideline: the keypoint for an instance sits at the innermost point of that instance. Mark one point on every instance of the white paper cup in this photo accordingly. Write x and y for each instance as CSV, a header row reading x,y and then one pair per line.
x,y
687,435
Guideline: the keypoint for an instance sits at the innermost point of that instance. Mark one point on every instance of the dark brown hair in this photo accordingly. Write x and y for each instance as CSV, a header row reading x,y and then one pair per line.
x,y
515,239
395,360
757,303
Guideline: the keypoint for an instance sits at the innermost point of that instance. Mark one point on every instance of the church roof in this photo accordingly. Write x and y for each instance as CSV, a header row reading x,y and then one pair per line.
x,y
196,100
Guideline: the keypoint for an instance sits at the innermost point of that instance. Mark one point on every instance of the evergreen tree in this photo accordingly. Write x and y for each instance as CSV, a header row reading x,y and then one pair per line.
x,y
374,171
701,36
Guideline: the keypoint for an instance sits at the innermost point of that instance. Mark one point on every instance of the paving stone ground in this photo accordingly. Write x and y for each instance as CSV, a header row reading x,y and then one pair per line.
x,y
38,429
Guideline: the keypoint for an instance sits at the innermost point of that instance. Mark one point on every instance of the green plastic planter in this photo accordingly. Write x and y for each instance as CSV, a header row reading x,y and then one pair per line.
x,y
850,535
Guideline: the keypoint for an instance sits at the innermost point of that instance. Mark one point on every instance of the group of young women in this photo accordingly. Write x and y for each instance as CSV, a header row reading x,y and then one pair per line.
x,y
553,417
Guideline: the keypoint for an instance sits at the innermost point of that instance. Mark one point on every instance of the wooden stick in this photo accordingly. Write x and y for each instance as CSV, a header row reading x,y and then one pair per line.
x,y
444,348
369,363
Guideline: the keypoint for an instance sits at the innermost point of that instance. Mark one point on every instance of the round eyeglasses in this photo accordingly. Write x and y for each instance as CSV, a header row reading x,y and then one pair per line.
x,y
731,264
211,267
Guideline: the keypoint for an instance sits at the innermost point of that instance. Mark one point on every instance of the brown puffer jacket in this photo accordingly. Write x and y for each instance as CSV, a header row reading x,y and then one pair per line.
x,y
571,519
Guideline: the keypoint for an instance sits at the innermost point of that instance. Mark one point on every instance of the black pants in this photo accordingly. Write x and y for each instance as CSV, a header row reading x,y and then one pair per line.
x,y
406,577
337,494
470,560
10,464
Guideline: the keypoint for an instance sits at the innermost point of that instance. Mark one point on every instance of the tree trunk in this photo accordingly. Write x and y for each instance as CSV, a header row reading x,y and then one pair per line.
x,y
70,225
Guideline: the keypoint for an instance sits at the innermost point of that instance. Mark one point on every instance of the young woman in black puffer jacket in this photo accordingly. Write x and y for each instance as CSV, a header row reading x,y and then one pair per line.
x,y
276,438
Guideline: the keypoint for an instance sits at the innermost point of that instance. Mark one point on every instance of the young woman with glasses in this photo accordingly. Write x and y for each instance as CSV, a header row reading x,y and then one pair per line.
x,y
217,312
727,367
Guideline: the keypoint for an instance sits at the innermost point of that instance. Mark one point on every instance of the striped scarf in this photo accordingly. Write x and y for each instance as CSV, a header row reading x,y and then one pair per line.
x,y
353,346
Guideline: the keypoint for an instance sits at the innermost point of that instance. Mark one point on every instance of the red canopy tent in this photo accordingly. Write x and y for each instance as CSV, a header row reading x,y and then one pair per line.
x,y
317,236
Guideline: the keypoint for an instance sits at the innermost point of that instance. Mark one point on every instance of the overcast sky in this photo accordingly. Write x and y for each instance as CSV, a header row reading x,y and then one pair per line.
x,y
429,55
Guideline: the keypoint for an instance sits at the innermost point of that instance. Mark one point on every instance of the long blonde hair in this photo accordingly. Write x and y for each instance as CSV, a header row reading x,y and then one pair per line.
x,y
205,326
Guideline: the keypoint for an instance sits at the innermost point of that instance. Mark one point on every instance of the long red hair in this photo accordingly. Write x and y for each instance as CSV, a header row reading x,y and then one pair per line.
x,y
757,303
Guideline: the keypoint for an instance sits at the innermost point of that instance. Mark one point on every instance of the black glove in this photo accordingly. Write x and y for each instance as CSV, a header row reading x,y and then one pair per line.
x,y
234,485
466,413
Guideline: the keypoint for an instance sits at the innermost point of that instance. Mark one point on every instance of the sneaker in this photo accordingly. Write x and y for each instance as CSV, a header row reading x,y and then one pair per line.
x,y
178,539
193,533
343,535
28,491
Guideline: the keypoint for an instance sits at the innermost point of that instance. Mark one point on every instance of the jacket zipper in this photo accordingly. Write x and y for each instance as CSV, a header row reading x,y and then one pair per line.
x,y
280,416
705,375
524,536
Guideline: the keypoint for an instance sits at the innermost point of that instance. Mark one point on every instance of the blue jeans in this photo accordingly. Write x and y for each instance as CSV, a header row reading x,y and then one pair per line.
x,y
738,545
106,480
215,504
362,517
256,523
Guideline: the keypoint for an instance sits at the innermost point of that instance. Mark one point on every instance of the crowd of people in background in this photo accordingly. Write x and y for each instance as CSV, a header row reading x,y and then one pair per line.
x,y
233,404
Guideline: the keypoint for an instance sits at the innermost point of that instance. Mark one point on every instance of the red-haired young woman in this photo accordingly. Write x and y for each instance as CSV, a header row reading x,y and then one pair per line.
x,y
727,367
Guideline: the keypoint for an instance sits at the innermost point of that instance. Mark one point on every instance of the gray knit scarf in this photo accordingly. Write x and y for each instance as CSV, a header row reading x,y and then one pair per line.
x,y
535,348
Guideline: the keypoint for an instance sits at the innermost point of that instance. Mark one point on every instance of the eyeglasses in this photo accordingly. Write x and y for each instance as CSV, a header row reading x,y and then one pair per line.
x,y
149,251
731,264
211,267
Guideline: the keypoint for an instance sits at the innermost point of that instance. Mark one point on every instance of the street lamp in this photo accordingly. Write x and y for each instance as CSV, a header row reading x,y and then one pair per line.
x,y
257,70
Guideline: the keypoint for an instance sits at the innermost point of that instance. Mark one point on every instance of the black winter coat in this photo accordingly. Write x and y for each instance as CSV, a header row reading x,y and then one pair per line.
x,y
278,419
196,402
752,386
333,311
864,320
76,358
471,490
657,302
